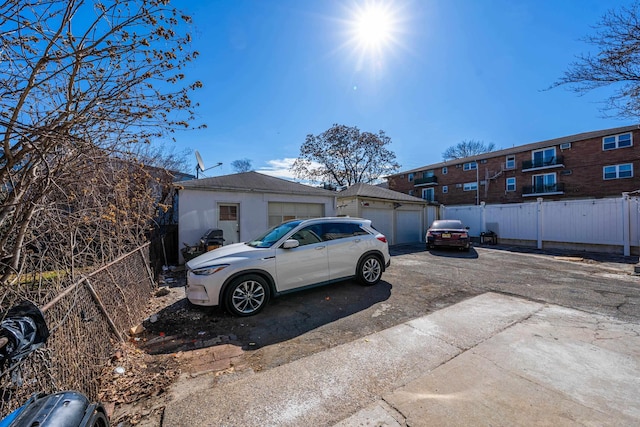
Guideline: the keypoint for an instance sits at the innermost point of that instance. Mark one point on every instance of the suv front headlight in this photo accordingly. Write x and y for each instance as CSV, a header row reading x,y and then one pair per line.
x,y
207,271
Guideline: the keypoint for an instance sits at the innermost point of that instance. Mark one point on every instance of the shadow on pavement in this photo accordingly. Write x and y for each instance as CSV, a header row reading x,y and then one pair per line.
x,y
182,326
590,256
454,253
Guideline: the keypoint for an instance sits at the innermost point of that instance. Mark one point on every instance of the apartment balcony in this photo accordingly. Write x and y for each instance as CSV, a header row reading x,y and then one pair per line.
x,y
543,190
425,181
553,162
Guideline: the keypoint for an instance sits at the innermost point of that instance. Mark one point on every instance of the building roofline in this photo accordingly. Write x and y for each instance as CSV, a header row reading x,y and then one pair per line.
x,y
525,147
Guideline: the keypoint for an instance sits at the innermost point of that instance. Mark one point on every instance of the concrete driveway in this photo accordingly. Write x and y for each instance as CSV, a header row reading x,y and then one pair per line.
x,y
295,333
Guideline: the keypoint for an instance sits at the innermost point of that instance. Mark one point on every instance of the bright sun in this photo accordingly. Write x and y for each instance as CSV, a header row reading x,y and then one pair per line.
x,y
374,27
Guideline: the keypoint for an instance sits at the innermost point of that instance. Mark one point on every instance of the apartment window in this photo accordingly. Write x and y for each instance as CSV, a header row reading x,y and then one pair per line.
x,y
544,183
543,157
470,166
511,184
445,189
444,170
428,174
410,177
510,162
428,194
470,186
617,141
618,171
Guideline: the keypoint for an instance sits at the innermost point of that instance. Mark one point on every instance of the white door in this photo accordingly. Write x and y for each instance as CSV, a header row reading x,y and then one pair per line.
x,y
382,220
408,227
228,222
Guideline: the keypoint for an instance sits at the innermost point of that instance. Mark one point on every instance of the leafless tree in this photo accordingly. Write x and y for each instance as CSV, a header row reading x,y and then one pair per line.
x,y
345,156
615,63
241,165
466,149
82,83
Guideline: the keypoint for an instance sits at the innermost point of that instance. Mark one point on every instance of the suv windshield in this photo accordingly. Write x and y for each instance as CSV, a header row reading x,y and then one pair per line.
x,y
273,235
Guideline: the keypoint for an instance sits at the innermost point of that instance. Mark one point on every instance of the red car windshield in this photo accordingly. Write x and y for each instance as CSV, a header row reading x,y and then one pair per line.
x,y
447,224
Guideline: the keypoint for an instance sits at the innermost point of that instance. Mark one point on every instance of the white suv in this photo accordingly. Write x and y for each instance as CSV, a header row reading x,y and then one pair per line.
x,y
293,255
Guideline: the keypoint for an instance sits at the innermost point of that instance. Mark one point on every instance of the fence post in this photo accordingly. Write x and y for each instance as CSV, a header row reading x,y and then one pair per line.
x,y
146,264
540,223
95,296
483,217
626,224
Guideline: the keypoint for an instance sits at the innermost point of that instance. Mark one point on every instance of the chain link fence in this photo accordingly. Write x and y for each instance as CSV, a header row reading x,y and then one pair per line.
x,y
85,320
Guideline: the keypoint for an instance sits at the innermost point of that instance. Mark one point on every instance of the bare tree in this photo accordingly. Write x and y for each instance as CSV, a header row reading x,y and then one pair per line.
x,y
466,149
81,84
241,165
343,155
615,63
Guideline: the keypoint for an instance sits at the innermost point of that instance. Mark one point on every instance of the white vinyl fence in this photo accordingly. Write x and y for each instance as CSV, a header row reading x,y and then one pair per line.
x,y
603,225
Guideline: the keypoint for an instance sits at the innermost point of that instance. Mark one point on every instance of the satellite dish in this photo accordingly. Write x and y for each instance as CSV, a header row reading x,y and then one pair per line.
x,y
200,162
200,166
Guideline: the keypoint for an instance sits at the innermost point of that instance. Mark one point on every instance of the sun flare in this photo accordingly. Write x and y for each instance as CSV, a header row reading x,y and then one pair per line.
x,y
374,27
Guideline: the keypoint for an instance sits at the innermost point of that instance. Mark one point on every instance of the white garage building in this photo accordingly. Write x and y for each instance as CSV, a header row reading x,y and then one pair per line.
x,y
243,205
400,217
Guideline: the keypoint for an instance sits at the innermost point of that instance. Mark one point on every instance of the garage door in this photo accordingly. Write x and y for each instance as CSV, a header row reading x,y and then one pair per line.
x,y
381,219
282,211
408,227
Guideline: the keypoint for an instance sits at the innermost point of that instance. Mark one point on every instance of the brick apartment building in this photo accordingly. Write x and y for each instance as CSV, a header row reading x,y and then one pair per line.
x,y
588,165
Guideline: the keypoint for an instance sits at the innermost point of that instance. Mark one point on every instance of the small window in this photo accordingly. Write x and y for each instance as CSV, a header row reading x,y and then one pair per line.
x,y
228,213
410,177
428,194
617,141
445,189
444,170
470,166
470,186
510,162
618,171
511,184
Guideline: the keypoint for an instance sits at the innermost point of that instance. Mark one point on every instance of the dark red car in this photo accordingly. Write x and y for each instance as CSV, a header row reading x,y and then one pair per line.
x,y
448,233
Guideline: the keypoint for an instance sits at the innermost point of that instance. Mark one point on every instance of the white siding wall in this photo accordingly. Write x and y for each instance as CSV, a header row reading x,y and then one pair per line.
x,y
605,222
197,211
348,207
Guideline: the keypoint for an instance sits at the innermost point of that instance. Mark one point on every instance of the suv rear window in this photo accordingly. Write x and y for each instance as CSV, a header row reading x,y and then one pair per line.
x,y
341,230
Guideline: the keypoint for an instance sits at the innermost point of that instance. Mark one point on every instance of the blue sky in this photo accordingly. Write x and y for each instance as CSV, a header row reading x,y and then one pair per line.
x,y
451,70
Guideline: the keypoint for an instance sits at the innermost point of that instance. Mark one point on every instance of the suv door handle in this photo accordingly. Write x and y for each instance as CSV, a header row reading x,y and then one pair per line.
x,y
320,247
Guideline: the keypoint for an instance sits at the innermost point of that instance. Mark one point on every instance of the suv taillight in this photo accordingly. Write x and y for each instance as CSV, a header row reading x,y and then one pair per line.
x,y
382,238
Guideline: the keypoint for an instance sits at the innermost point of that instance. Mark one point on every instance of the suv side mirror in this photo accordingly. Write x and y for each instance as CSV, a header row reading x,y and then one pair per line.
x,y
290,244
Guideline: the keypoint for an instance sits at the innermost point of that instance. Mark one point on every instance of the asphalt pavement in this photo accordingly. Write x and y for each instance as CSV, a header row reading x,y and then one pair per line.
x,y
490,360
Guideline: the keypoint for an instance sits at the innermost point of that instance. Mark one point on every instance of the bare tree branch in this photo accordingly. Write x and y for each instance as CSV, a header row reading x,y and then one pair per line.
x,y
85,85
615,64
